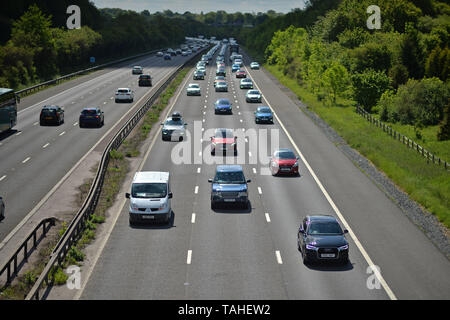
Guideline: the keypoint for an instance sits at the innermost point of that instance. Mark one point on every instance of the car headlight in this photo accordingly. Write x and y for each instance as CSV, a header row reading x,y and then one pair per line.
x,y
295,164
345,247
310,247
216,193
133,206
163,206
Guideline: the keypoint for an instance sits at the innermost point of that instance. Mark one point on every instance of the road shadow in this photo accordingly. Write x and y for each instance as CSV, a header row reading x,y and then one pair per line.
x,y
330,266
232,209
155,225
7,134
287,176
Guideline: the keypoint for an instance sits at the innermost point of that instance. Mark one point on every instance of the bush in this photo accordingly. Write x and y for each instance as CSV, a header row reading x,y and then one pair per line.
x,y
369,86
444,127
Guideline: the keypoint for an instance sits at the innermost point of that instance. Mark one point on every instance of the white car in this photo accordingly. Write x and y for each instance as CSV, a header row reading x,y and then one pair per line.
x,y
184,53
160,54
193,89
254,65
137,70
124,94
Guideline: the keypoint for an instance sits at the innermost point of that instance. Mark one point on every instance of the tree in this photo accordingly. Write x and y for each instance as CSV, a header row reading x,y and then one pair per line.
x,y
438,63
369,86
444,127
411,52
32,31
336,79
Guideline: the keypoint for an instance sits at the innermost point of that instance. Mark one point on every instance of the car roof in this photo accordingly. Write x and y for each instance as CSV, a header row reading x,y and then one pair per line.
x,y
229,168
321,218
123,89
263,107
150,176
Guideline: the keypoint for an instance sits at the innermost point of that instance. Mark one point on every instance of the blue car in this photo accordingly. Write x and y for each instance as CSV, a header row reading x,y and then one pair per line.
x,y
229,186
235,67
263,114
222,106
91,116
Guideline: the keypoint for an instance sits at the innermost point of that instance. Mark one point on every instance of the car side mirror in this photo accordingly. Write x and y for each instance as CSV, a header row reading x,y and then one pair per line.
x,y
345,231
298,158
127,195
301,230
170,195
162,123
210,180
185,124
249,180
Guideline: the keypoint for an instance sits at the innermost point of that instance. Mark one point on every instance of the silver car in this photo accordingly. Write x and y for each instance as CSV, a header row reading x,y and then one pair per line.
x,y
174,128
2,209
221,86
193,89
253,96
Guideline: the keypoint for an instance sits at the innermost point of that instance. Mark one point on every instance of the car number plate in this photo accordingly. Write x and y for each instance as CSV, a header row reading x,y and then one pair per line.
x,y
285,169
148,217
229,200
327,255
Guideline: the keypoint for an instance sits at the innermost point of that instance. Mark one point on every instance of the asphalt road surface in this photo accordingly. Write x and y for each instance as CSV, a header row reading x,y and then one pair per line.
x,y
34,158
252,254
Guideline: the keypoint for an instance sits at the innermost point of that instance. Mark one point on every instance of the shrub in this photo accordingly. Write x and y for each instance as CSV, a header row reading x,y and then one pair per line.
x,y
369,86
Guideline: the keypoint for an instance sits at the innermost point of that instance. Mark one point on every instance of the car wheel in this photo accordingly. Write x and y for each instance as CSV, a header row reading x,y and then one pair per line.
x,y
180,139
130,221
117,101
213,205
305,259
81,125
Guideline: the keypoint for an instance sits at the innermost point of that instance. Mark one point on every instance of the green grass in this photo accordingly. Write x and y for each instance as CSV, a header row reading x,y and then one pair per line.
x,y
427,184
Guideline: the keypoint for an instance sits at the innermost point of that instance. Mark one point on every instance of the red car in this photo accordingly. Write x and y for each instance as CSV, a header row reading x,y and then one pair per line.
x,y
284,161
241,74
223,141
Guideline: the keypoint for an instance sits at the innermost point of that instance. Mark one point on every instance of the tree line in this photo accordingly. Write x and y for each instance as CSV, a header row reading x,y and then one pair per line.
x,y
400,71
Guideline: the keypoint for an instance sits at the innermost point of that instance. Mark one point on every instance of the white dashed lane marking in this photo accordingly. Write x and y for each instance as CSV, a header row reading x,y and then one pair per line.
x,y
267,217
278,255
26,160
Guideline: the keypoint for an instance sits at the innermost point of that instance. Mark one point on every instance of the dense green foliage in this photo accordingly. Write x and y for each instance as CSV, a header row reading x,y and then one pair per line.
x,y
40,47
401,69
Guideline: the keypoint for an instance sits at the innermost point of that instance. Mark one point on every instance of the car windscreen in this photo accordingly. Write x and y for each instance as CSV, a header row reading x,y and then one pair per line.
x,y
122,91
285,155
224,134
193,86
171,122
221,83
223,102
264,110
253,92
229,177
149,190
89,112
325,228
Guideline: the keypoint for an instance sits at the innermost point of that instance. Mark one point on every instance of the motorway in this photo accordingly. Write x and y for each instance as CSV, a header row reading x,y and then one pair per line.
x,y
252,254
35,158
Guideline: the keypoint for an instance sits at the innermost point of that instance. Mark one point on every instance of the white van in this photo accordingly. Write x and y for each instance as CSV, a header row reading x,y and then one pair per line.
x,y
150,197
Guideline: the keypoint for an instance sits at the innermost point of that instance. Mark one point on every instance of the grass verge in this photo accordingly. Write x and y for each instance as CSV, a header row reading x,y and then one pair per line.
x,y
117,170
427,184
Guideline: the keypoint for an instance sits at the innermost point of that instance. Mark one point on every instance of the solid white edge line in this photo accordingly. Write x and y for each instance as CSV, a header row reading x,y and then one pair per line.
x,y
364,253
88,272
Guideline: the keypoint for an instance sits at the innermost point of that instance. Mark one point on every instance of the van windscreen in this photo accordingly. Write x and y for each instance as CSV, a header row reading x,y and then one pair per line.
x,y
149,190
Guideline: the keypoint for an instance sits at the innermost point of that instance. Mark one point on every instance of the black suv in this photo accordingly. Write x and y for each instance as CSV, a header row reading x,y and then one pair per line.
x,y
321,238
51,114
145,80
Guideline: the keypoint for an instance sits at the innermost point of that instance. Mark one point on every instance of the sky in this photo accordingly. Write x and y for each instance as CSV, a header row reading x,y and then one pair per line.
x,y
196,6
